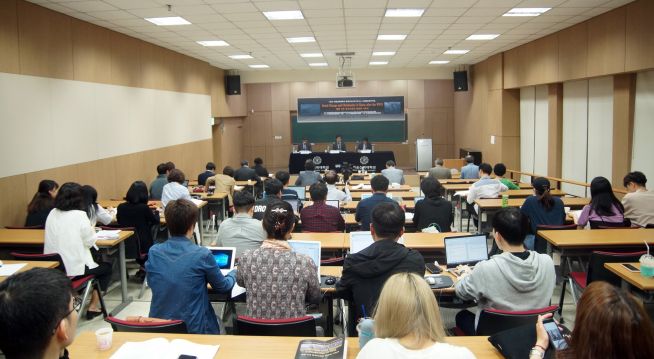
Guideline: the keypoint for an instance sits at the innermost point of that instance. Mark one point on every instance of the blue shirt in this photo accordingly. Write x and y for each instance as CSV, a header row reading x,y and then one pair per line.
x,y
364,209
470,171
178,272
156,187
538,215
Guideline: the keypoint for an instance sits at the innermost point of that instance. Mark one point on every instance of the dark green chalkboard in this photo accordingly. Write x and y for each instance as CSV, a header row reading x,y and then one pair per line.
x,y
376,131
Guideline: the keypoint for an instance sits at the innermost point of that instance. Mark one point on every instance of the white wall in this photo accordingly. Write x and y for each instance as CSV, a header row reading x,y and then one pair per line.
x,y
575,132
643,146
48,123
533,130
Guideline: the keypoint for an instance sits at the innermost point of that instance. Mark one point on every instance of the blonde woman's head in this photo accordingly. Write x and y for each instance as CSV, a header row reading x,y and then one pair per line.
x,y
407,306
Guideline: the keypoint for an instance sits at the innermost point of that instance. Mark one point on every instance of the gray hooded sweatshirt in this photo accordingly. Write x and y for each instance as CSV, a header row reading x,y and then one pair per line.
x,y
506,282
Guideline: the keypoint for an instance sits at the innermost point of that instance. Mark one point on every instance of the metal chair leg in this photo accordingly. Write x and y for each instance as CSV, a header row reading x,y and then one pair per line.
x,y
103,308
561,299
143,287
85,298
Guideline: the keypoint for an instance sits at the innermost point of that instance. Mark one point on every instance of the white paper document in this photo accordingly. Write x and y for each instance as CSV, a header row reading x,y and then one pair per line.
x,y
8,269
107,234
161,348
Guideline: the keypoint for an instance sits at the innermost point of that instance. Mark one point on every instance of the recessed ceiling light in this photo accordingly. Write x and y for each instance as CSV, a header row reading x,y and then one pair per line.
x,y
482,37
284,15
456,52
383,53
404,12
311,54
168,21
297,40
213,43
374,63
318,64
527,11
391,37
240,57
439,62
259,66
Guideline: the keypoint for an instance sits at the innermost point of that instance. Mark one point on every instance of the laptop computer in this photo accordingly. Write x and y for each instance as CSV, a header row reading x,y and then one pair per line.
x,y
308,248
333,203
225,257
360,241
416,199
366,195
465,250
300,191
295,203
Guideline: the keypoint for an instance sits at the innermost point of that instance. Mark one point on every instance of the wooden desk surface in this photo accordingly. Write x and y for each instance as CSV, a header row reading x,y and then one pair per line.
x,y
599,237
37,237
350,219
352,205
240,346
635,279
402,194
327,240
115,202
402,188
524,191
421,240
492,203
30,265
530,192
214,196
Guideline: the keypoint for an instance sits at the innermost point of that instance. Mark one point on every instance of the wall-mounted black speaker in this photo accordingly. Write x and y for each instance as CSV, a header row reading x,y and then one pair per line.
x,y
233,84
460,80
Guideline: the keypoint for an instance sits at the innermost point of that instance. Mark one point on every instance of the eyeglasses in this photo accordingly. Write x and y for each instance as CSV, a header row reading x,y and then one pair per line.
x,y
77,305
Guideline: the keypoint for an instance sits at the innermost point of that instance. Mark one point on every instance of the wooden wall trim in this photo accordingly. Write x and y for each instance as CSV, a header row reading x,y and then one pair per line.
x,y
555,129
624,97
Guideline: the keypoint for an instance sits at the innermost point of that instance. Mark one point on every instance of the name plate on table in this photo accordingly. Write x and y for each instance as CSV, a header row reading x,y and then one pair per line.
x,y
365,151
305,152
334,151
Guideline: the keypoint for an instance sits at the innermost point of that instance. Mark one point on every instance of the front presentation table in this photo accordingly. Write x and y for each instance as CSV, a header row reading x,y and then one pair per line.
x,y
371,162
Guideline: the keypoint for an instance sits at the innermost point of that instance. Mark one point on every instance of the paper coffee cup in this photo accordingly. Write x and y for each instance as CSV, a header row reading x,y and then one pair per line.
x,y
104,338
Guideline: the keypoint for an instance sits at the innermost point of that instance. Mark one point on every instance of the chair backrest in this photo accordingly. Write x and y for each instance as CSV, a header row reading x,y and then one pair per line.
x,y
540,244
50,257
651,225
493,321
168,326
28,227
608,225
294,327
596,270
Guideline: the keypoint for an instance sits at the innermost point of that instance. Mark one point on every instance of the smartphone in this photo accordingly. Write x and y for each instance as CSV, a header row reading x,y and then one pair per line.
x,y
630,267
432,268
556,337
184,356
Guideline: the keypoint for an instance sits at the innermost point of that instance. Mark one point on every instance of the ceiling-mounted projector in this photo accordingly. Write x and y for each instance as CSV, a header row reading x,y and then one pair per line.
x,y
344,77
344,81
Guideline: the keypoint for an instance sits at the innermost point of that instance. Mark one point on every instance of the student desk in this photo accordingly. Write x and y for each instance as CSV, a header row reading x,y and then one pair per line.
x,y
332,241
36,237
524,191
30,265
420,241
352,205
242,346
645,284
401,188
350,220
401,194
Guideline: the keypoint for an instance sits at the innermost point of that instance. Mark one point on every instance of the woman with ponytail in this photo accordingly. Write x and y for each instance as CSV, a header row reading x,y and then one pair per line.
x,y
278,280
542,209
42,203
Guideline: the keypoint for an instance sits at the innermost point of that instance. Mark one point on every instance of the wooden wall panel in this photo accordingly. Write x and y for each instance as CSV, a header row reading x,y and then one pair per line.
x,y
512,66
439,93
510,103
416,94
624,95
281,126
417,128
639,39
573,52
300,90
495,78
540,61
259,97
606,43
125,60
102,175
91,55
554,129
10,60
15,198
279,93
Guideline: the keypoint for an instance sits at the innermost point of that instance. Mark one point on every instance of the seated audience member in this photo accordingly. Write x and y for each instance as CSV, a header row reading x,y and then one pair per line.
x,y
69,233
156,187
364,145
305,145
365,272
41,204
210,172
639,202
277,279
500,171
440,172
542,209
309,176
408,323
610,323
334,193
178,272
273,193
134,212
245,173
321,217
223,182
339,145
284,177
517,279
434,209
175,188
94,211
379,186
259,169
486,187
394,175
346,171
39,314
241,231
170,165
604,207
470,170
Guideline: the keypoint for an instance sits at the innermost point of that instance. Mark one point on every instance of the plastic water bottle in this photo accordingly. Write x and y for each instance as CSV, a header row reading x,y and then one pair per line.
x,y
505,200
366,330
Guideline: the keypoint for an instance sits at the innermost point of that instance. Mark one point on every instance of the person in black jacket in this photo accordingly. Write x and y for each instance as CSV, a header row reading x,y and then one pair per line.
x,y
434,209
136,213
365,272
42,203
210,172
259,169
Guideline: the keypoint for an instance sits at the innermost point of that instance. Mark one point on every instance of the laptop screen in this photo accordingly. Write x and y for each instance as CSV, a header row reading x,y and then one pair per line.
x,y
300,191
360,241
294,204
366,195
308,248
224,257
465,250
416,199
333,203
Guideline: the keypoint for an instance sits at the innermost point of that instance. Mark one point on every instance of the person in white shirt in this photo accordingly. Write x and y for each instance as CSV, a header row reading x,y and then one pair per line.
x,y
408,323
639,202
68,232
486,187
95,212
175,188
334,193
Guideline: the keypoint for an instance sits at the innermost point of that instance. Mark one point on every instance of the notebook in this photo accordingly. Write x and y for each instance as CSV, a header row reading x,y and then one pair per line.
x,y
333,203
300,191
360,241
224,257
466,250
308,248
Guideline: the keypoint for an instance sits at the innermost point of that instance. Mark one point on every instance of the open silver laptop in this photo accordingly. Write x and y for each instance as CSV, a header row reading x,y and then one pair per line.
x,y
225,258
465,250
308,248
